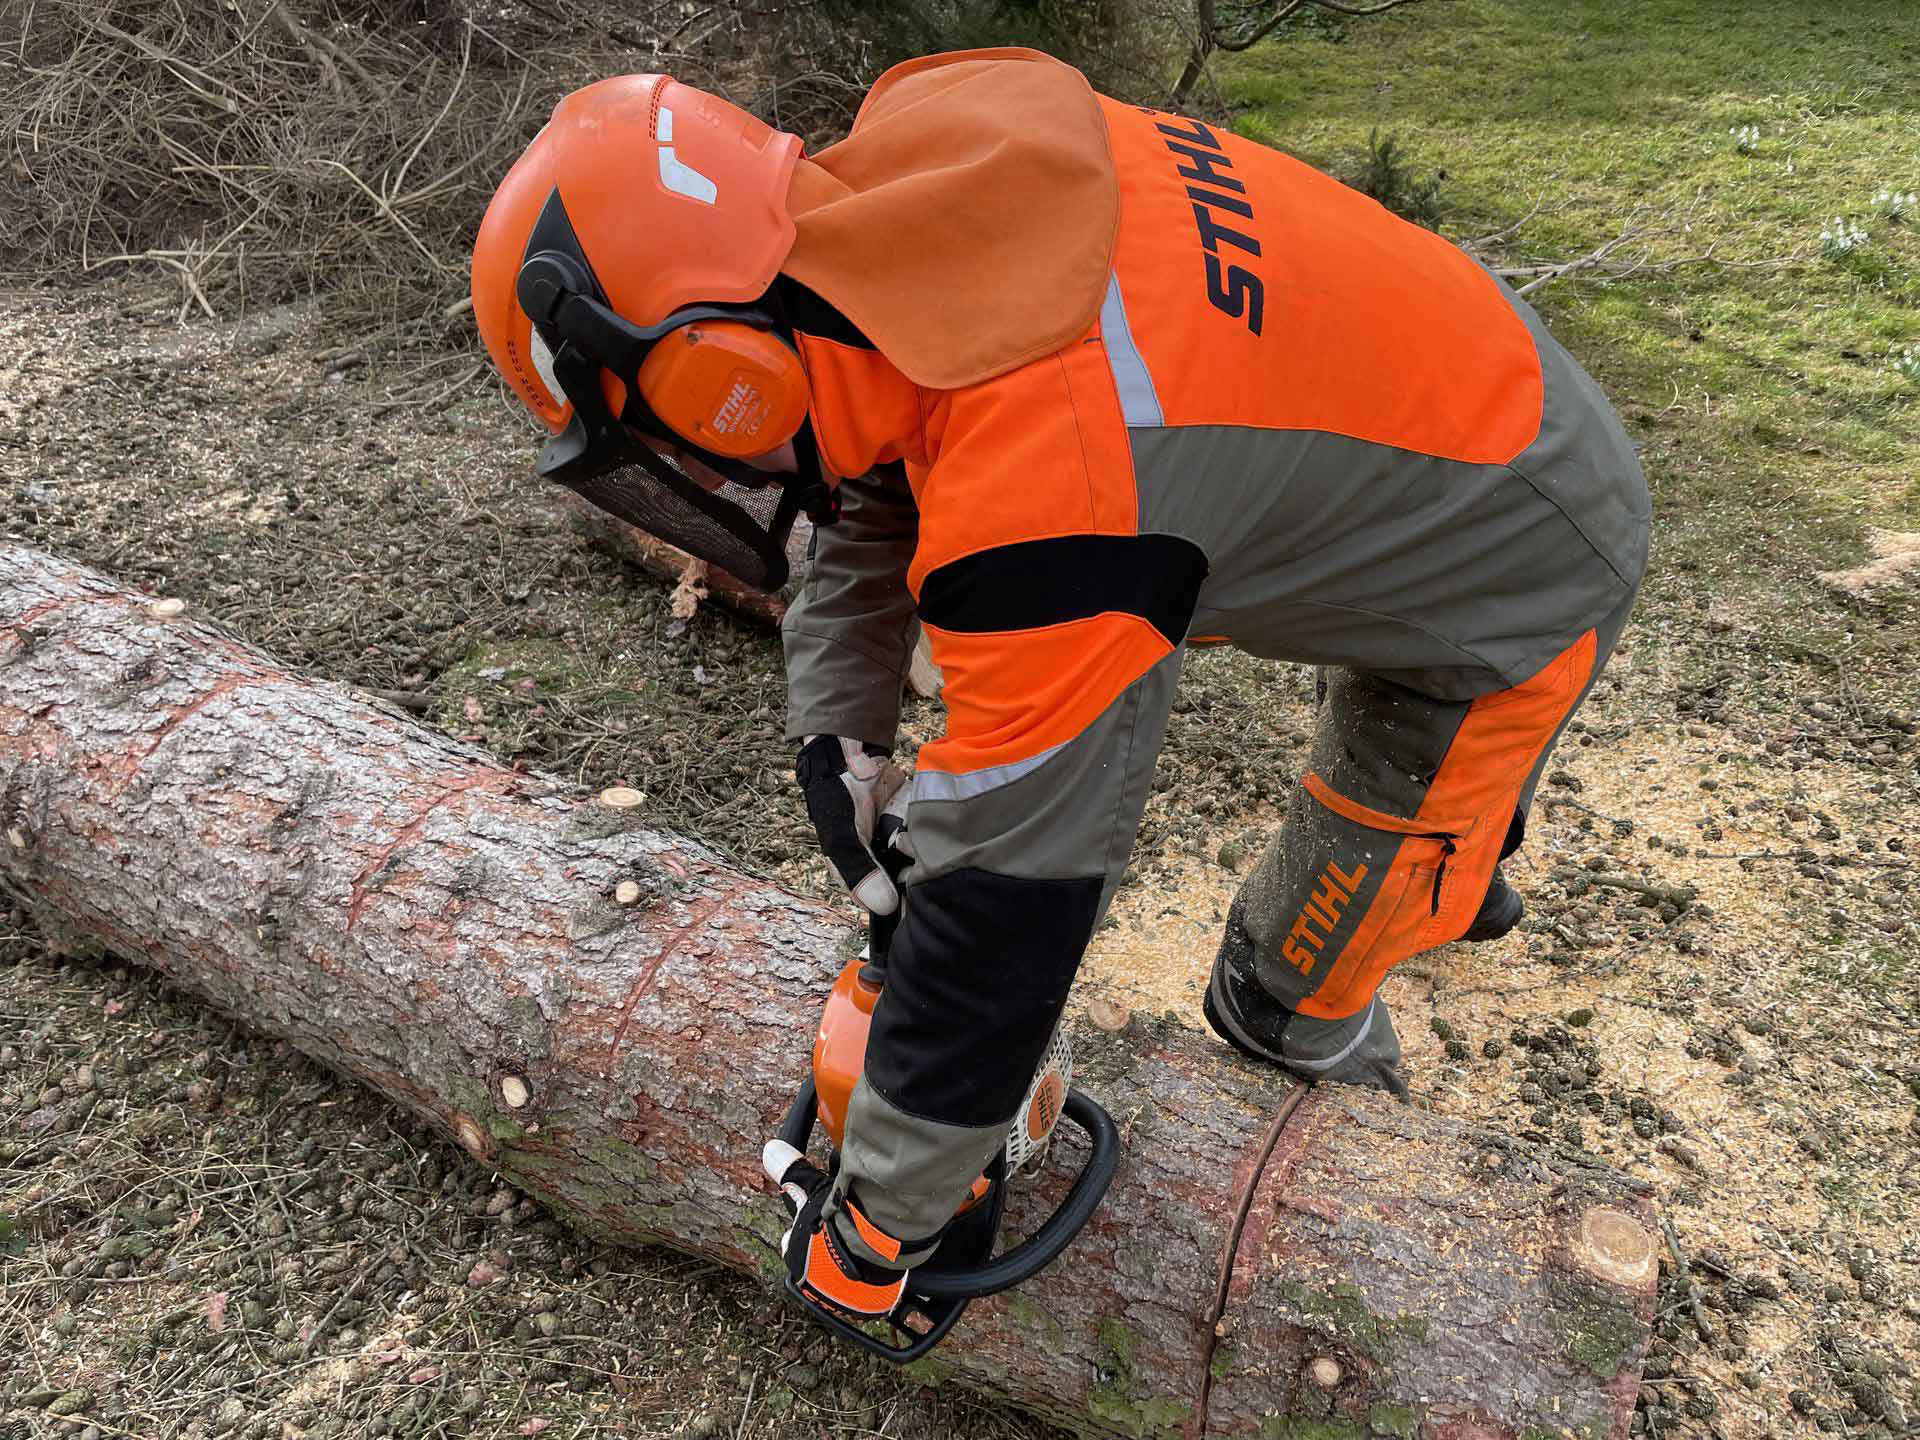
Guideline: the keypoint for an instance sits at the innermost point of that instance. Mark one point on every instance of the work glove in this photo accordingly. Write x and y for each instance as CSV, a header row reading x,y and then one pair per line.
x,y
820,1261
848,789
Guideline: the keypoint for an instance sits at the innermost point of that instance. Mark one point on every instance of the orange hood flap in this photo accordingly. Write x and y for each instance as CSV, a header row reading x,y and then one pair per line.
x,y
967,223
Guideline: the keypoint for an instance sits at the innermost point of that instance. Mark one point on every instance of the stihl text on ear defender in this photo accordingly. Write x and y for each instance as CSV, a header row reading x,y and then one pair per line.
x,y
725,387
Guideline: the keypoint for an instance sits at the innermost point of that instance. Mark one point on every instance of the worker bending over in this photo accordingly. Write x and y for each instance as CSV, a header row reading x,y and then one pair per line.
x,y
1072,385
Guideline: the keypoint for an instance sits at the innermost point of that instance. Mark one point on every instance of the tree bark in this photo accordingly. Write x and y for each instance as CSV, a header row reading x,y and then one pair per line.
x,y
1205,24
446,930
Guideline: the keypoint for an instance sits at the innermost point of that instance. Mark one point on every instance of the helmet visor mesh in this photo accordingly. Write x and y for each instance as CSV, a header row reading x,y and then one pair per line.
x,y
740,529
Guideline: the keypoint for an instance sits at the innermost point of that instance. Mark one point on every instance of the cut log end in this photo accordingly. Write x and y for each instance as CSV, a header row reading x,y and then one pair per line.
x,y
514,1091
627,892
620,797
169,608
469,1136
1616,1247
1324,1372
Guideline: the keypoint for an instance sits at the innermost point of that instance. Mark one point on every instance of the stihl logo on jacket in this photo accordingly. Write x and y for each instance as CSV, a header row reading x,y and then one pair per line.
x,y
1231,289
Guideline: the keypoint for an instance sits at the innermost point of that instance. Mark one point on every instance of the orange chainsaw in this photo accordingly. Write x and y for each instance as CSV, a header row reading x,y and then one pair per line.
x,y
964,1266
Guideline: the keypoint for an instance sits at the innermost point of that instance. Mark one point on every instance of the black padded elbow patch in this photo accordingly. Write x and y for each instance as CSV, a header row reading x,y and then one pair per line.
x,y
976,980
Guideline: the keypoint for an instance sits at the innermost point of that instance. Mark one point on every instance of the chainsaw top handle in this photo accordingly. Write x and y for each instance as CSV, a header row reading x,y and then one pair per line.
x,y
1038,1250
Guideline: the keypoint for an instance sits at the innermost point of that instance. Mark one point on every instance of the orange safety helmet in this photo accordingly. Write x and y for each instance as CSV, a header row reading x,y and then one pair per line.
x,y
623,280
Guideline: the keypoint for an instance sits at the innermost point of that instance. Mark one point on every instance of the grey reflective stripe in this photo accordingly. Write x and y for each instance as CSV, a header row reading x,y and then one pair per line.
x,y
1302,1063
940,785
1138,404
1223,1006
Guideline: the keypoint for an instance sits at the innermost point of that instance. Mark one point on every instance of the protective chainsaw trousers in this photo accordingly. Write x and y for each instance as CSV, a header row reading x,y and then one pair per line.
x,y
1405,806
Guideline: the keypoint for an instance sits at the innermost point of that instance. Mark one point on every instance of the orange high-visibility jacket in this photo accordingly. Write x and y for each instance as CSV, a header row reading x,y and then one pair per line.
x,y
1296,422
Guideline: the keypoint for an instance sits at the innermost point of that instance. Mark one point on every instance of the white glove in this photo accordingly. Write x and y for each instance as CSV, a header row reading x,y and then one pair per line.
x,y
848,790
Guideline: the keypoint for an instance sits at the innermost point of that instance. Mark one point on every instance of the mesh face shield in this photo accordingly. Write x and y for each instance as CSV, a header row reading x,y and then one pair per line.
x,y
742,531
742,527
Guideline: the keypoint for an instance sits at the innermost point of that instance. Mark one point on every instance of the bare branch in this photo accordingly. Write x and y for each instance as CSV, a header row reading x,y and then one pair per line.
x,y
172,260
380,202
1267,26
1383,6
325,53
1579,263
1213,33
1481,242
322,61
392,190
1639,229
1259,32
180,68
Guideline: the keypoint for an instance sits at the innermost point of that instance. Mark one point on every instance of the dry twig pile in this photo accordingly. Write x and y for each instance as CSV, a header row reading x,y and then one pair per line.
x,y
260,150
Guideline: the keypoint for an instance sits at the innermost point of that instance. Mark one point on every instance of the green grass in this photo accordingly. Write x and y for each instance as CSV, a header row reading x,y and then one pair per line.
x,y
1773,423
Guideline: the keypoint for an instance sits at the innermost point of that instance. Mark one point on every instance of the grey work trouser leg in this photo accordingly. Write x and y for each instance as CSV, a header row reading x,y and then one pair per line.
x,y
1406,806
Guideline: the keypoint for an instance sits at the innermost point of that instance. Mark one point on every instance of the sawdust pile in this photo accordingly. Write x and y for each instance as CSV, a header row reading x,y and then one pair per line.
x,y
1895,553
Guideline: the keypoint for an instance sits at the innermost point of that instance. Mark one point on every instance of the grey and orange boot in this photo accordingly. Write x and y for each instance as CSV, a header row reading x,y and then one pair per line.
x,y
1359,1049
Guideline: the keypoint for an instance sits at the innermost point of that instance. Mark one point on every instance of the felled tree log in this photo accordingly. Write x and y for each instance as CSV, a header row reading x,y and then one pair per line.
x,y
656,557
636,547
615,1018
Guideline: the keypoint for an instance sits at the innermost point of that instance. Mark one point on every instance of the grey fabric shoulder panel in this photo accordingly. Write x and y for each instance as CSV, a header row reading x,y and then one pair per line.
x,y
1336,551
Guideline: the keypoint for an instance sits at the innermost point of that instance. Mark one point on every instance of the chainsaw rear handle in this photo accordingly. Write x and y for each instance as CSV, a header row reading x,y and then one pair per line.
x,y
1039,1249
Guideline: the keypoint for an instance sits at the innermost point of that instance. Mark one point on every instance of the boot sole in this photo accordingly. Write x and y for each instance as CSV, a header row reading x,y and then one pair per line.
x,y
1217,1021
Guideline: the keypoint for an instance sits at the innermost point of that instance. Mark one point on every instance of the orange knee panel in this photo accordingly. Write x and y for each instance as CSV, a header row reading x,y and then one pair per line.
x,y
1444,863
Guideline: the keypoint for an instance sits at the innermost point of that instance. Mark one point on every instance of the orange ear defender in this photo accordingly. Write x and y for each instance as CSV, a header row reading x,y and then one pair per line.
x,y
728,386
725,387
